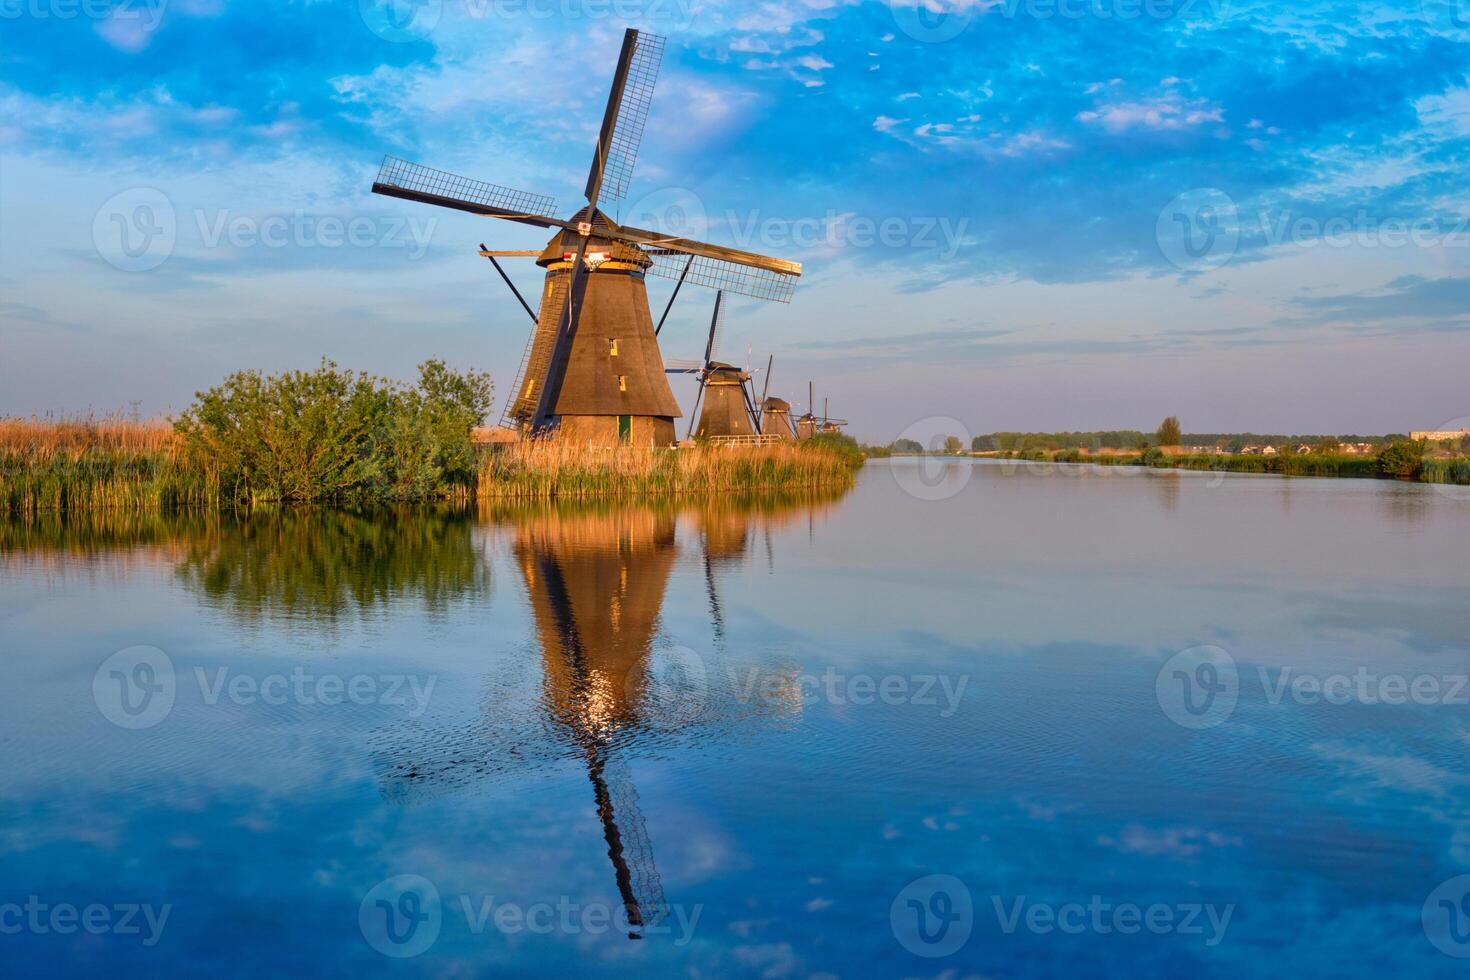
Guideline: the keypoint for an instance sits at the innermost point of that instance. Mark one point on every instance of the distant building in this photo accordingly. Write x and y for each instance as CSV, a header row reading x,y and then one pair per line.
x,y
1439,436
1268,451
1303,449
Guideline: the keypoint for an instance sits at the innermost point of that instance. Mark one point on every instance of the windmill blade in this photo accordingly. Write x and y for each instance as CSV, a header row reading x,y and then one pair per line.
x,y
628,844
561,348
682,365
627,111
766,388
415,182
732,277
714,329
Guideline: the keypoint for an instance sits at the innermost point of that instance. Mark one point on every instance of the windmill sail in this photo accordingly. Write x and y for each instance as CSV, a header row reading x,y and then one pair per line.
x,y
415,182
627,112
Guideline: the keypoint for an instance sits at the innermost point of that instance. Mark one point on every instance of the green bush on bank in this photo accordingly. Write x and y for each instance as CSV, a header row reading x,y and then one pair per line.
x,y
333,434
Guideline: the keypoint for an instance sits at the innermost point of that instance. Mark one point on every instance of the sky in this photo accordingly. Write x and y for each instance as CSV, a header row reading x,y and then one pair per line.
x,y
1012,214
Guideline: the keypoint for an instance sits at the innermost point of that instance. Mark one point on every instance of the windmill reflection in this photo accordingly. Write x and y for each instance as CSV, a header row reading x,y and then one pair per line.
x,y
610,684
596,584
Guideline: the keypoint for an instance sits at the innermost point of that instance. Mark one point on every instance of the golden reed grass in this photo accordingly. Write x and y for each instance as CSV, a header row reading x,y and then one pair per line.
x,y
82,464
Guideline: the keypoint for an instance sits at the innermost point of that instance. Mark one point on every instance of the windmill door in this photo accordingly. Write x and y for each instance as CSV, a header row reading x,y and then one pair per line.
x,y
625,428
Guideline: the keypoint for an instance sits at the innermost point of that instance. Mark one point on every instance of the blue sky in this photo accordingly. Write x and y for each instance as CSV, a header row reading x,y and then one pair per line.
x,y
1016,214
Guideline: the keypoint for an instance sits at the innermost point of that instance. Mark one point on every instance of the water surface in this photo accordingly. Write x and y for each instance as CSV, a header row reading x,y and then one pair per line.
x,y
508,741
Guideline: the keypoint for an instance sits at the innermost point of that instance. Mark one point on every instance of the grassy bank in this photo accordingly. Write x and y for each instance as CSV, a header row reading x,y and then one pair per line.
x,y
93,465
1400,461
549,470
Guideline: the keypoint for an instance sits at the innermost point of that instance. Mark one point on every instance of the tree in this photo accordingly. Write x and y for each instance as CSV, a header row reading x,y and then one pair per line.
x,y
953,444
1402,459
1169,433
908,446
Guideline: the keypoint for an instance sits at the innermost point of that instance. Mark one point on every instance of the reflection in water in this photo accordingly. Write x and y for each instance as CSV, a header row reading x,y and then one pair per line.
x,y
595,579
317,565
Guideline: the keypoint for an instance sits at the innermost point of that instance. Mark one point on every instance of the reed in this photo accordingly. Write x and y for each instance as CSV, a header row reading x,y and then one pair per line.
x,y
551,470
82,465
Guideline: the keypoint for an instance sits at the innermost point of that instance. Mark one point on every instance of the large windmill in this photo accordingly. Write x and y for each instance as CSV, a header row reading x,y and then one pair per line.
x,y
728,408
592,369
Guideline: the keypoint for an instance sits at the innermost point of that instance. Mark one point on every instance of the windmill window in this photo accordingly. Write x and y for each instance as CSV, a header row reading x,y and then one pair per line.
x,y
622,382
612,347
530,387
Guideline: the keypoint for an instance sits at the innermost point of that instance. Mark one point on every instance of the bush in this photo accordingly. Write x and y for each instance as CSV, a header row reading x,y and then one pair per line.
x,y
1401,459
331,434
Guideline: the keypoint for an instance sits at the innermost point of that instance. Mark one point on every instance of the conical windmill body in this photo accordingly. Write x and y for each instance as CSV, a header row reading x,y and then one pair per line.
x,y
592,372
727,406
775,412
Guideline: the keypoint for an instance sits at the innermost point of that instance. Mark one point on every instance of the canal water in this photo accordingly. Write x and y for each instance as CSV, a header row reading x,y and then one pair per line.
x,y
970,718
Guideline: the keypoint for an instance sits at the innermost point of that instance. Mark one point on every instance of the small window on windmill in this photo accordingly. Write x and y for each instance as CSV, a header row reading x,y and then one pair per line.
x,y
612,347
530,387
622,382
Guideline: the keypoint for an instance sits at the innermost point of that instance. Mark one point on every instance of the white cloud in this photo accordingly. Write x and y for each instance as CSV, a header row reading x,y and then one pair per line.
x,y
1165,113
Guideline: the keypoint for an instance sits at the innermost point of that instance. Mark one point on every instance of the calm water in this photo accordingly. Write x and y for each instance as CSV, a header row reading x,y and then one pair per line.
x,y
499,743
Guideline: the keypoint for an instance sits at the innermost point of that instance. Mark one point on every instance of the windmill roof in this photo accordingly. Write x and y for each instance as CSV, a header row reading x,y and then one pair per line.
x,y
774,404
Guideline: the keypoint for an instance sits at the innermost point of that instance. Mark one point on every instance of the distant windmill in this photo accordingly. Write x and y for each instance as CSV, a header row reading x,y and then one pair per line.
x,y
728,409
592,370
811,423
775,412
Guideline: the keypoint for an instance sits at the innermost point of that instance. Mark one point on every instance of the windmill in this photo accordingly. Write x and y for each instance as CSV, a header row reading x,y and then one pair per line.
x,y
811,424
775,412
591,370
728,409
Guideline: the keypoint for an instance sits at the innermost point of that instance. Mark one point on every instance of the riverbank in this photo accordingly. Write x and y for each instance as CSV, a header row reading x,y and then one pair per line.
x,y
1394,463
83,465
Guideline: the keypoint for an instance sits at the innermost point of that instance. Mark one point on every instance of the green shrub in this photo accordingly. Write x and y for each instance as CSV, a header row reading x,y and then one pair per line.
x,y
1401,459
331,434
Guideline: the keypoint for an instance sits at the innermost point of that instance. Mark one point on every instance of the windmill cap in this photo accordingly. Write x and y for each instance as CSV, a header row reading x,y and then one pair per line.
x,y
774,404
568,241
